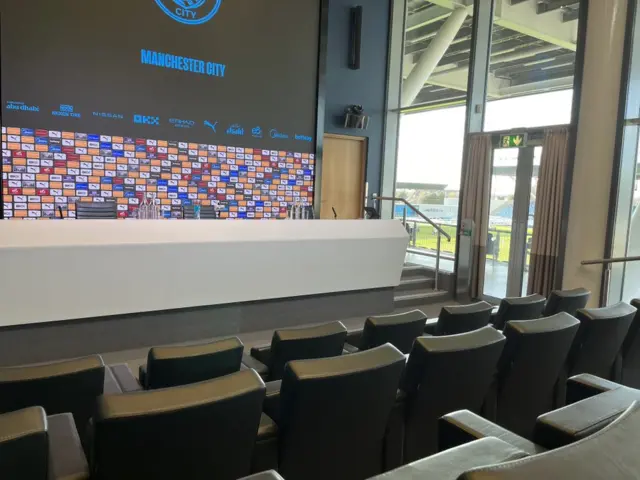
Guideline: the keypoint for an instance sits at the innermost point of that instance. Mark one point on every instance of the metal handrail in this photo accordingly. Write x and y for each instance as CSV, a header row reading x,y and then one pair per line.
x,y
440,231
607,261
418,212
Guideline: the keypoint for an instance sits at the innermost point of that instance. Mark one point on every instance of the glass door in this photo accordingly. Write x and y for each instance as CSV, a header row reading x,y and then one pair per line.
x,y
510,226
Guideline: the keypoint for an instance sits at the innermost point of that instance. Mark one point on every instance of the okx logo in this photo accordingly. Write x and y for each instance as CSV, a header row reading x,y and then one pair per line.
x,y
190,12
145,120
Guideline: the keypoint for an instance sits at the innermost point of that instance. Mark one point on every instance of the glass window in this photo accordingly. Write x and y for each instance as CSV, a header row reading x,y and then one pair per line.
x,y
532,64
437,50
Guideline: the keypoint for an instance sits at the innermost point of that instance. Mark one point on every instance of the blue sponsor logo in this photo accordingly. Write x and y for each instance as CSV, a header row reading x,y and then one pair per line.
x,y
66,111
55,148
42,141
93,138
236,130
190,12
146,120
28,132
23,107
113,116
279,135
303,138
256,132
178,123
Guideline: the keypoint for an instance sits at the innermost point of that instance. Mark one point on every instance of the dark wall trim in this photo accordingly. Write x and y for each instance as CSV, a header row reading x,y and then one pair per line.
x,y
575,116
58,340
322,96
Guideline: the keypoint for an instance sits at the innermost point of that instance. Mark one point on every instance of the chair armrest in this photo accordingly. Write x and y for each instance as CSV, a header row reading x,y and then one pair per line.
x,y
271,405
455,461
66,457
262,353
349,348
430,326
265,453
463,426
269,475
251,362
125,378
579,420
586,385
111,385
354,337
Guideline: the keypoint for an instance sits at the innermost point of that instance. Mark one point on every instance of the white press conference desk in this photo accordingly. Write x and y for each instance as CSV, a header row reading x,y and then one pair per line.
x,y
64,270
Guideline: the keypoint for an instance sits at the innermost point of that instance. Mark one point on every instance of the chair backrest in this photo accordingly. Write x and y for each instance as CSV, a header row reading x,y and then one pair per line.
x,y
69,386
568,301
518,308
173,366
463,318
96,211
24,445
612,453
305,343
334,413
599,339
199,431
445,374
530,365
400,330
631,351
207,212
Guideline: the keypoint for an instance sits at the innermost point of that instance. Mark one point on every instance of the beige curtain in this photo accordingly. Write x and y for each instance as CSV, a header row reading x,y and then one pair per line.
x,y
548,215
475,204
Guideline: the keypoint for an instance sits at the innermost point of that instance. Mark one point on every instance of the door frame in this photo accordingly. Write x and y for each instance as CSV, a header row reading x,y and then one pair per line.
x,y
317,200
521,200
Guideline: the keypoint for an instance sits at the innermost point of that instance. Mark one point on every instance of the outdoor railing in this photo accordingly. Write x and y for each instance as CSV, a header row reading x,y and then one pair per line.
x,y
440,232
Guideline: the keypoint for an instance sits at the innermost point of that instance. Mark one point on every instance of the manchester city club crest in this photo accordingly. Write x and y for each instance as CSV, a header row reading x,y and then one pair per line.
x,y
190,12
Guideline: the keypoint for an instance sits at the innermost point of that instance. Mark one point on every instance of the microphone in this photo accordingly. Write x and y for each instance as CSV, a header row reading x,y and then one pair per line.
x,y
335,214
61,214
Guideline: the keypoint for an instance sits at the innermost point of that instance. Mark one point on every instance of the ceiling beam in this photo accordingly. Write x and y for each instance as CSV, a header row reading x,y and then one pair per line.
x,y
551,5
426,17
524,18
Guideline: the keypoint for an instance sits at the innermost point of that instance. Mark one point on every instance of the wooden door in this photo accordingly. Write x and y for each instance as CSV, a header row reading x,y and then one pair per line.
x,y
343,182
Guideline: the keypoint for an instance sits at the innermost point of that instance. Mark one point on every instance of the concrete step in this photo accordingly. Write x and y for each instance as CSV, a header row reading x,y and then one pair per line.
x,y
419,271
415,283
420,297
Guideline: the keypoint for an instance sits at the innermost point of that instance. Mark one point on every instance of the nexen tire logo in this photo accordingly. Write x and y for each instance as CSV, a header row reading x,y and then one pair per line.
x,y
145,120
190,12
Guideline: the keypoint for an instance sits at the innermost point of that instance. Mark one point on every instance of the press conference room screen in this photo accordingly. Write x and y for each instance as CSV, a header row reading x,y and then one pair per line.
x,y
110,101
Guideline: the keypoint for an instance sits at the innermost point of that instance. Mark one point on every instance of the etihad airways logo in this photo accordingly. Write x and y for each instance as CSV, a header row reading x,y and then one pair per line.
x,y
190,12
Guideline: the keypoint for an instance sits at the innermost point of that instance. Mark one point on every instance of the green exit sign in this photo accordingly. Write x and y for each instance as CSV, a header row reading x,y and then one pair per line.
x,y
514,140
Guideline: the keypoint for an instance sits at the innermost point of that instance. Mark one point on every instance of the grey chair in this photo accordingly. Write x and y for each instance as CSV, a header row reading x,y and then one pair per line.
x,y
456,319
597,347
36,447
631,351
61,387
207,212
518,308
334,414
180,365
529,370
199,431
400,330
96,211
612,453
568,301
322,341
444,374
